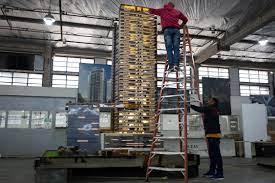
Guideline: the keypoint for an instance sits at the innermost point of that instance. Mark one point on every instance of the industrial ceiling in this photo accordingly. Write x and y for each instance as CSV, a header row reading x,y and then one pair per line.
x,y
222,29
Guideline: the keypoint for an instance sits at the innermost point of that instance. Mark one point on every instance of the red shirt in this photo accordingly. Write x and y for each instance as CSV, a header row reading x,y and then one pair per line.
x,y
169,16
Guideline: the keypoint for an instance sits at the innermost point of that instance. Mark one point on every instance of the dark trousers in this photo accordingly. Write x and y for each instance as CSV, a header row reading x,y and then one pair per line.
x,y
216,164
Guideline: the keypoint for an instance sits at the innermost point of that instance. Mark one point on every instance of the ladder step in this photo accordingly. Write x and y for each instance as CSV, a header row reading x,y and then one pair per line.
x,y
171,109
169,137
167,169
168,153
169,96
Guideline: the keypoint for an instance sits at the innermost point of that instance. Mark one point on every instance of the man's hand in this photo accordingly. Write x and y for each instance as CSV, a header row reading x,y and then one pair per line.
x,y
182,25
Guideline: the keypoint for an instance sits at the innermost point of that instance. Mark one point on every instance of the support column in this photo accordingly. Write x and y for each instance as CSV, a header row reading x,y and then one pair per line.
x,y
234,81
47,76
271,80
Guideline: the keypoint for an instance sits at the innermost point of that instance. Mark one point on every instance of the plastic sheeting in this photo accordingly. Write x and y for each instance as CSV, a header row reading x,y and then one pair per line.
x,y
226,15
202,13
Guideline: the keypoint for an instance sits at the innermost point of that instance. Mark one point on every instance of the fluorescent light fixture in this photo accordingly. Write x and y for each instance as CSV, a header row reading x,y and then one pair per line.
x,y
49,19
263,42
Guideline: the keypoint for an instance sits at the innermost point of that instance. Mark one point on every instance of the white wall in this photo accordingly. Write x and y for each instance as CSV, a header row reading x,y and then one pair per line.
x,y
27,141
37,91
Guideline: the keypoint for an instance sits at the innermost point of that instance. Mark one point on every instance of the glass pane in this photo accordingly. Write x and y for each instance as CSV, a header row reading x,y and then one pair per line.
x,y
252,72
213,70
59,77
160,74
34,84
40,119
75,78
160,66
6,80
55,68
73,69
59,82
72,64
36,76
242,75
4,83
244,80
20,75
203,69
59,86
62,59
18,119
5,74
159,83
87,61
20,80
37,81
61,119
72,82
59,64
20,84
254,80
71,59
244,87
254,88
243,72
72,86
2,119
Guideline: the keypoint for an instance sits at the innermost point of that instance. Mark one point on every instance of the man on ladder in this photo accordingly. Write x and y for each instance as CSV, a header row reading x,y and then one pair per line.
x,y
170,26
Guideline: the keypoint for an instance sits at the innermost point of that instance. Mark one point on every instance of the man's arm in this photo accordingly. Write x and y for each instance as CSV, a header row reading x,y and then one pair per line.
x,y
199,109
155,11
184,20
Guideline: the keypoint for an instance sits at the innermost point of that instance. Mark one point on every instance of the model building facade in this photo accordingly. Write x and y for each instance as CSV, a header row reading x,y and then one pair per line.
x,y
135,70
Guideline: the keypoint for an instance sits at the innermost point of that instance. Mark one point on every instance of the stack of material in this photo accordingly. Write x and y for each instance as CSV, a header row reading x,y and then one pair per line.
x,y
135,70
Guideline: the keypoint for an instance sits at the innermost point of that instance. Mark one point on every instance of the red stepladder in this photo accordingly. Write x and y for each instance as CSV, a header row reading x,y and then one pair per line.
x,y
186,83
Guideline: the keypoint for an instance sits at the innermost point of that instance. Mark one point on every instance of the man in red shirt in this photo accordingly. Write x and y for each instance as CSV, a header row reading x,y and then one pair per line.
x,y
170,26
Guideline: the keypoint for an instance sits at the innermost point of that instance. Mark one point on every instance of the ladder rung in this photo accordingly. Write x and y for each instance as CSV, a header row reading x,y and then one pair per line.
x,y
171,109
168,153
167,169
169,96
168,137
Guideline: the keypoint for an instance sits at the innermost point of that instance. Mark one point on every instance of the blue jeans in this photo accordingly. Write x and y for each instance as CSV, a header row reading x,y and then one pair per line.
x,y
216,165
172,44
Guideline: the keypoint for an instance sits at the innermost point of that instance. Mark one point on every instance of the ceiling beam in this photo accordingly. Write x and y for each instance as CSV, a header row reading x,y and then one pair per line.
x,y
238,63
238,32
58,23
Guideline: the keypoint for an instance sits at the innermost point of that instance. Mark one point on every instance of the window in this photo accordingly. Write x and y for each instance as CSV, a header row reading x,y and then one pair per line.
x,y
253,76
69,64
109,62
60,120
160,71
20,79
2,119
35,80
41,119
65,81
18,119
247,90
201,89
66,71
212,72
6,78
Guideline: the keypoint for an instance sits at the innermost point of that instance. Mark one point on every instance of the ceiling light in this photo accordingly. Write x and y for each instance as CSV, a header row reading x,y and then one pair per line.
x,y
263,42
49,19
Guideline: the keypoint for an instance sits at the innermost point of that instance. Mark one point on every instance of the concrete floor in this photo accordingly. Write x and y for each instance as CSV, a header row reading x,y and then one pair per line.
x,y
237,170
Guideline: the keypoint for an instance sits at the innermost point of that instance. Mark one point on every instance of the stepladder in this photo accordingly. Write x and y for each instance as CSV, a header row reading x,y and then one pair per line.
x,y
183,81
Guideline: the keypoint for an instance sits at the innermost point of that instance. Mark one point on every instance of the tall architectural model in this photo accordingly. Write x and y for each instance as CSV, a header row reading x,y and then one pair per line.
x,y
135,70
